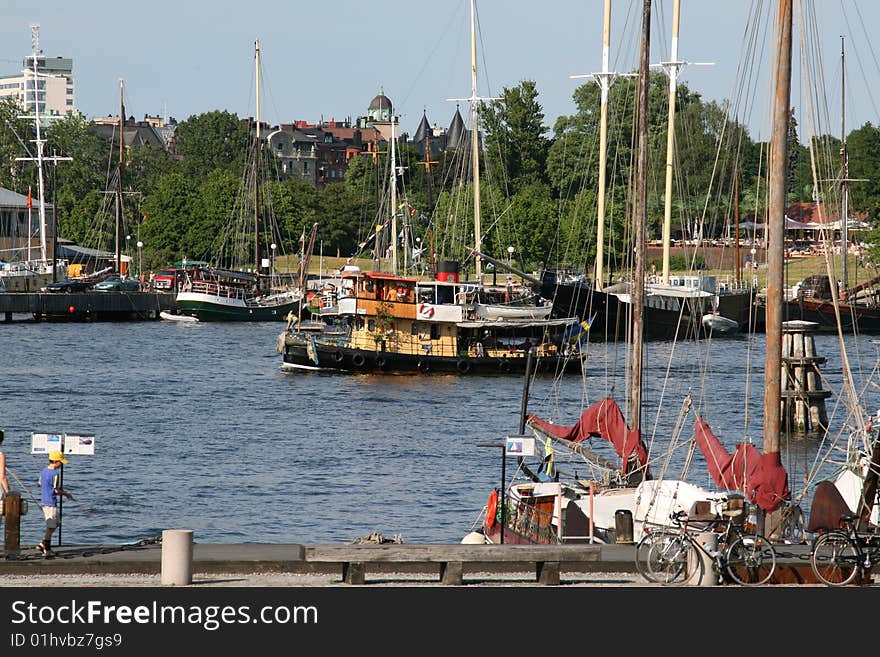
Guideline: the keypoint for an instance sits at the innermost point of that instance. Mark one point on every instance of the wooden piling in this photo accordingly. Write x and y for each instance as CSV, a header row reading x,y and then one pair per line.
x,y
803,400
12,524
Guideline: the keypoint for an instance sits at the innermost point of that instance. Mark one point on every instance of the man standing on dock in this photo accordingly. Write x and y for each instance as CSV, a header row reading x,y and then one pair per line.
x,y
50,489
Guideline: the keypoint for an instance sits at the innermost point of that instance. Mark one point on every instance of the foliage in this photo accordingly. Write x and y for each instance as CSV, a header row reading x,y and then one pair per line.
x,y
211,140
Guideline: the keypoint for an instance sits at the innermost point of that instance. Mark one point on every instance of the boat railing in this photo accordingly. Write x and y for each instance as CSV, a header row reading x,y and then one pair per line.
x,y
216,288
526,519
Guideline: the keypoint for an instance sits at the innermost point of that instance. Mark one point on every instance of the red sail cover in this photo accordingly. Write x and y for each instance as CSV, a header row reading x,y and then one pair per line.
x,y
760,476
603,419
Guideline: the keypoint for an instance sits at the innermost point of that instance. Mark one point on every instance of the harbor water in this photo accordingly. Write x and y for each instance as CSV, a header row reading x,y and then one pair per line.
x,y
197,427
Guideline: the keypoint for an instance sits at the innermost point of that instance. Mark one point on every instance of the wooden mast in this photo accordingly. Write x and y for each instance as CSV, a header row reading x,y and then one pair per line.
x,y
670,142
604,84
775,235
393,186
640,218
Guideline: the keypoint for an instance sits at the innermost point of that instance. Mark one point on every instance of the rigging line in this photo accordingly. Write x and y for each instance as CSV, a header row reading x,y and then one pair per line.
x,y
867,86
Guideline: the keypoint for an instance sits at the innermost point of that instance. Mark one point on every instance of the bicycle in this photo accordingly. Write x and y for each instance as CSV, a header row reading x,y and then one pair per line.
x,y
838,555
674,556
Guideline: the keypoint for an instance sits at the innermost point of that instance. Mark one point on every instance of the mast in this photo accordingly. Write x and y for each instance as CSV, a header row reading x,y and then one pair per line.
x,y
475,137
604,84
738,268
640,218
119,179
775,234
393,184
844,168
670,142
40,142
256,163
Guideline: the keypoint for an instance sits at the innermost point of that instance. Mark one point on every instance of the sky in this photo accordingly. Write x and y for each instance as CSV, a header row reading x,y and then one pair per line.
x,y
328,60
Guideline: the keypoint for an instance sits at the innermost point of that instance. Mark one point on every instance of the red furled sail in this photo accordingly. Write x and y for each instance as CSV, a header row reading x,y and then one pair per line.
x,y
760,476
603,419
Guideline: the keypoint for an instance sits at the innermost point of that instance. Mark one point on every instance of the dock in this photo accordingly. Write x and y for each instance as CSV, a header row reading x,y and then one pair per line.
x,y
85,306
363,564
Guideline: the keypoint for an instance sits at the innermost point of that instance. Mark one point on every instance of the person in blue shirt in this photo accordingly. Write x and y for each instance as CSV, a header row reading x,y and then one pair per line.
x,y
50,489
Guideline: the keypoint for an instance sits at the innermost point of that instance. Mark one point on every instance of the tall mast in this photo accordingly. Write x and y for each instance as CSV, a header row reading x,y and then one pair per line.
x,y
475,137
640,217
393,201
116,238
40,144
775,233
844,167
39,141
256,163
737,267
604,84
673,66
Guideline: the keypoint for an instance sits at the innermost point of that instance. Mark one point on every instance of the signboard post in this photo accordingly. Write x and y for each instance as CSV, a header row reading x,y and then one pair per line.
x,y
67,443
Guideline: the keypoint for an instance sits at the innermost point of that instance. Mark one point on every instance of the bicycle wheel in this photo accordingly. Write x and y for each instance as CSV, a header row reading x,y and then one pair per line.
x,y
644,547
750,560
671,558
835,559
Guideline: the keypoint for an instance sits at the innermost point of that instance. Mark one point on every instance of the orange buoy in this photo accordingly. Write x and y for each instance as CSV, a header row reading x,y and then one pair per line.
x,y
492,508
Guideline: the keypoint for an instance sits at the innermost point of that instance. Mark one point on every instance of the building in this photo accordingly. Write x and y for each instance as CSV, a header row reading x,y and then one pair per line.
x,y
149,132
20,227
53,89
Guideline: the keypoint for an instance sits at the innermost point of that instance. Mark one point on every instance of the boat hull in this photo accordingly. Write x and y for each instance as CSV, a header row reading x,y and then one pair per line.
x,y
296,355
211,308
863,319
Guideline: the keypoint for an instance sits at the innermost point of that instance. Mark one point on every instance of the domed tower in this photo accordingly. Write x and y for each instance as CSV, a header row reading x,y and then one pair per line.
x,y
380,110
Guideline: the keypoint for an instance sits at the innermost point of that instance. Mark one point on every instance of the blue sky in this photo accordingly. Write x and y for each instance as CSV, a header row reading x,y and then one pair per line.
x,y
183,58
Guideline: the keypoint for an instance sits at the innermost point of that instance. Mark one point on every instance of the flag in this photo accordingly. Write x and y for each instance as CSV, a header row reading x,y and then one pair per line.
x,y
548,459
30,201
577,331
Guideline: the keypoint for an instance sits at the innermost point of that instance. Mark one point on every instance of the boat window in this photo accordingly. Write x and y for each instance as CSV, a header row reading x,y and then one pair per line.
x,y
415,328
371,325
435,331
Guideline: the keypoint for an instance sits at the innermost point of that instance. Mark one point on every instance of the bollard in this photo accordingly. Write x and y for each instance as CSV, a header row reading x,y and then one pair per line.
x,y
12,523
623,526
709,541
177,552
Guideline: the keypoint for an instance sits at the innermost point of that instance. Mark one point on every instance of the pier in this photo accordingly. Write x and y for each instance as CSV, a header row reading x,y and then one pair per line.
x,y
85,306
803,399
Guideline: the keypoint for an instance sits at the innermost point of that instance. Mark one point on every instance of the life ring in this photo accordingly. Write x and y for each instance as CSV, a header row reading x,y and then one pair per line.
x,y
492,508
504,365
423,366
358,360
338,356
463,366
381,362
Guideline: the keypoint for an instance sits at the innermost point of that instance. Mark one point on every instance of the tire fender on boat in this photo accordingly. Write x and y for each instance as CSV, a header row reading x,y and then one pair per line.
x,y
463,366
338,356
381,362
358,360
423,366
504,365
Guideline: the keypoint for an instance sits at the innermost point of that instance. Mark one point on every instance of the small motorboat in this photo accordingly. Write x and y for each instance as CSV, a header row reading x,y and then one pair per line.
x,y
177,317
716,324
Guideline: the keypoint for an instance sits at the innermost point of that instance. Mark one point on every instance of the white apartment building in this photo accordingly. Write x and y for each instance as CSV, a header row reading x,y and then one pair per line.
x,y
54,88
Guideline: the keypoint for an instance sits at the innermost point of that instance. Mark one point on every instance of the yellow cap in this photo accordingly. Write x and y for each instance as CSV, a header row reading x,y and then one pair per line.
x,y
57,456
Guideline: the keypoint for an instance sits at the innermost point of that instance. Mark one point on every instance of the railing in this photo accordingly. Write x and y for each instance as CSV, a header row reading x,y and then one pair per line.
x,y
530,522
217,289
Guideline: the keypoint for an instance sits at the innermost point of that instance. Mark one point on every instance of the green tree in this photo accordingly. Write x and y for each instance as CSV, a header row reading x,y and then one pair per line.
x,y
211,140
169,209
516,136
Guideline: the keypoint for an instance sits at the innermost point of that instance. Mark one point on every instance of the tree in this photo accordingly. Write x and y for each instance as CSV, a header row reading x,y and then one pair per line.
x,y
515,136
210,141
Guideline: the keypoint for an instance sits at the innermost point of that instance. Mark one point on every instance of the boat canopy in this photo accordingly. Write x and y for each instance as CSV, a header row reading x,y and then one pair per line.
x,y
761,477
604,419
517,323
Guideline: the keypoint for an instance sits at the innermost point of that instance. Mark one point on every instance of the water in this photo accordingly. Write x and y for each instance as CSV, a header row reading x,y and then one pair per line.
x,y
197,427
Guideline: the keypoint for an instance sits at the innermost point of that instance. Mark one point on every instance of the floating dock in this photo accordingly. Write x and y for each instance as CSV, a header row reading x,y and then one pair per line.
x,y
86,306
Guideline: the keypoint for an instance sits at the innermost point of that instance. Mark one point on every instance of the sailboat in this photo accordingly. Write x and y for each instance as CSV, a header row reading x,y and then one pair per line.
x,y
32,274
622,498
228,294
